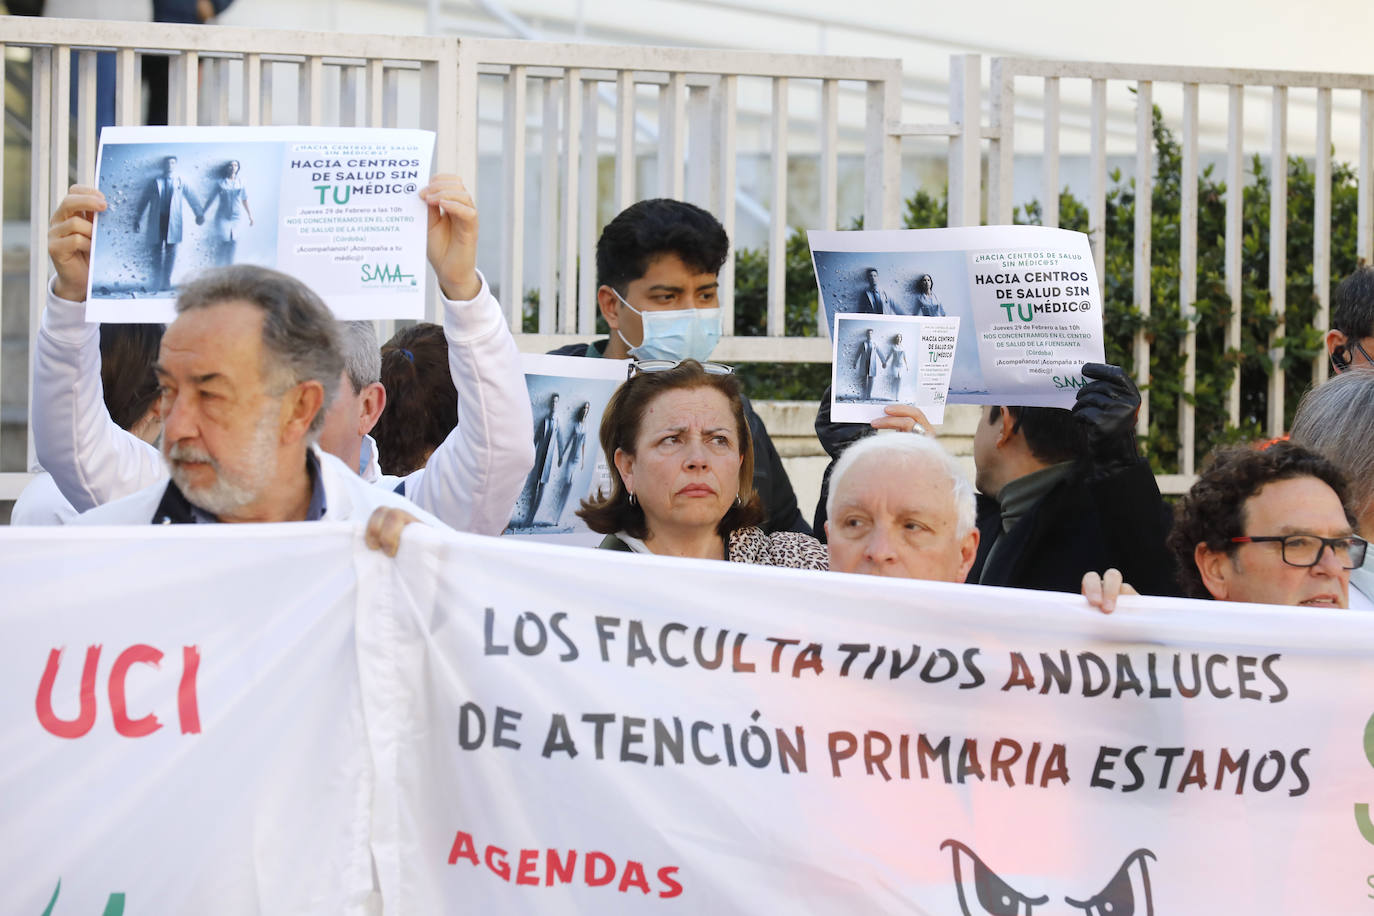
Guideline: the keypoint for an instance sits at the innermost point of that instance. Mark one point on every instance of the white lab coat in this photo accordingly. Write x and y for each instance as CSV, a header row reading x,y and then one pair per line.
x,y
470,483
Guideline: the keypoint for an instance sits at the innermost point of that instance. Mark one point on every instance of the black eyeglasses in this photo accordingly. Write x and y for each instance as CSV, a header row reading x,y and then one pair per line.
x,y
642,366
1303,550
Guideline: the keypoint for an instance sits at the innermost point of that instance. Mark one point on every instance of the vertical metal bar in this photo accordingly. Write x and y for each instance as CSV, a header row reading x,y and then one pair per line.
x,y
1278,254
1235,229
448,106
348,95
829,171
1143,229
455,124
1097,193
1003,146
587,212
572,154
1187,278
966,147
391,94
513,241
252,90
1321,231
777,215
724,151
310,104
128,88
1049,184
85,117
883,151
698,187
376,91
624,139
60,124
829,215
1364,215
265,97
42,153
671,118
215,89
184,73
548,209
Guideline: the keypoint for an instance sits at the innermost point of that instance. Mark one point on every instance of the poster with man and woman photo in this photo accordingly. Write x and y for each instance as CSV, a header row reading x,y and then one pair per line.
x,y
1026,300
338,208
568,395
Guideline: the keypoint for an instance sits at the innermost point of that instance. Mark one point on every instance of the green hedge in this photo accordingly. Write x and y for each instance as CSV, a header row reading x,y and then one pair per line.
x,y
1164,327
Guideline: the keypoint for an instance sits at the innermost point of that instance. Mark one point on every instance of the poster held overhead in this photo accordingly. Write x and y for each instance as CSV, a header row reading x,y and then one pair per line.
x,y
337,208
1027,296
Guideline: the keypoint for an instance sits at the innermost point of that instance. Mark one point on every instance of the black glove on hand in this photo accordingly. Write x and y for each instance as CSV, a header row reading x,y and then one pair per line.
x,y
1106,407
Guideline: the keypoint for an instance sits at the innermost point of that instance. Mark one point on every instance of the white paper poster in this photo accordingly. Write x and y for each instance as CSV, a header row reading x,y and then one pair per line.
x,y
1027,298
568,395
879,360
337,208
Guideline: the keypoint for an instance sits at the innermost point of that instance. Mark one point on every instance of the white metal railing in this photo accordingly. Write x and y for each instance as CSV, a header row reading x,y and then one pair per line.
x,y
569,132
690,99
1144,78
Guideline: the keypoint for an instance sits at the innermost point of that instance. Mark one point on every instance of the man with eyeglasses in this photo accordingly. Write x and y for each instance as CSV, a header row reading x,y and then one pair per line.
x,y
1268,527
1350,342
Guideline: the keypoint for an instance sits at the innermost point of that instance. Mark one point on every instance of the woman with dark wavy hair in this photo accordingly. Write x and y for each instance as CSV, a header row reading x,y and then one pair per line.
x,y
682,471
421,403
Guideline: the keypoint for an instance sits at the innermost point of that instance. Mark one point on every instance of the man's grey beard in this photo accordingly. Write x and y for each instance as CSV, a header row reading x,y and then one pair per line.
x,y
231,491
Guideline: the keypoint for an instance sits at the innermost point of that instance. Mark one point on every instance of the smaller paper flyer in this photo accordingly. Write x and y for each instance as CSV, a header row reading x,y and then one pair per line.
x,y
568,395
337,208
1027,298
880,360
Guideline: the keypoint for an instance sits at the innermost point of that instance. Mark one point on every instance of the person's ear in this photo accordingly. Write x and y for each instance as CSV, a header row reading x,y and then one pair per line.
x,y
373,403
625,464
1008,424
299,406
1216,569
1337,348
968,552
609,303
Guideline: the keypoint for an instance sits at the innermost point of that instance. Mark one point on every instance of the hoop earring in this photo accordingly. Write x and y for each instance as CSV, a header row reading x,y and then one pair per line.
x,y
633,500
738,502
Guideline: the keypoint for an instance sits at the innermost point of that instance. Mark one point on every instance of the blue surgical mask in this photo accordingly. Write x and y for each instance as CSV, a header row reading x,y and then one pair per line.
x,y
675,333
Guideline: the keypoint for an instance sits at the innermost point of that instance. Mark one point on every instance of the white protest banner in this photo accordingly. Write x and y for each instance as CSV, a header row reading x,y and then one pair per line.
x,y
494,726
182,729
337,208
1027,298
623,733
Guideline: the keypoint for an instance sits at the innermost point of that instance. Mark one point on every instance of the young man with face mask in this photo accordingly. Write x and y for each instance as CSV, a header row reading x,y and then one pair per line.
x,y
656,268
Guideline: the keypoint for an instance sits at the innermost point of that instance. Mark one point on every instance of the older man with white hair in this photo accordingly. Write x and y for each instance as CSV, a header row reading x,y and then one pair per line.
x,y
899,505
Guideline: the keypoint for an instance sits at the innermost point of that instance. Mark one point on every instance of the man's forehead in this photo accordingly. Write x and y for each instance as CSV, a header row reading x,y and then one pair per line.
x,y
670,266
1295,504
224,339
902,482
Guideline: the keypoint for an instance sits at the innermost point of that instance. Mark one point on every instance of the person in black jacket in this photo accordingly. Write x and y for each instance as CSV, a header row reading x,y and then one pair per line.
x,y
1061,493
656,267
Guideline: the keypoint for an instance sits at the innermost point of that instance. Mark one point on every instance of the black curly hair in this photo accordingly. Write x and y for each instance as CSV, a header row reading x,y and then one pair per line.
x,y
1213,512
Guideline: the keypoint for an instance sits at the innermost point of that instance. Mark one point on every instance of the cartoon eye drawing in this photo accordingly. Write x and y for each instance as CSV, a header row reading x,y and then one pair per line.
x,y
983,893
1129,888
